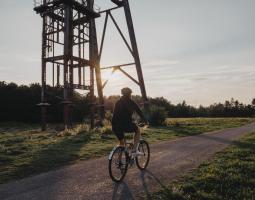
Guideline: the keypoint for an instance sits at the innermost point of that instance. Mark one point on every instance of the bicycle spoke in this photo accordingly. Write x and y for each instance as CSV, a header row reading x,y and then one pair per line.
x,y
118,165
143,160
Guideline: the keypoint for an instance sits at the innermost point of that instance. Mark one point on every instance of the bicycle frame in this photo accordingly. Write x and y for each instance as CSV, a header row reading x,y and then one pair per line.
x,y
125,148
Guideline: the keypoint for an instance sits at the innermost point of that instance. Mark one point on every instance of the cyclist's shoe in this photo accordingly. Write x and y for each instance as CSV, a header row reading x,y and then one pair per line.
x,y
136,153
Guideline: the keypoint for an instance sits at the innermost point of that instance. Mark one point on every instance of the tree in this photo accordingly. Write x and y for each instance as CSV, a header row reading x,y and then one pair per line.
x,y
253,102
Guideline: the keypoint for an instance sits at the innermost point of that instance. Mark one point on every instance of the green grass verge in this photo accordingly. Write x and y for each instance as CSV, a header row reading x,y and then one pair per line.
x,y
230,176
26,151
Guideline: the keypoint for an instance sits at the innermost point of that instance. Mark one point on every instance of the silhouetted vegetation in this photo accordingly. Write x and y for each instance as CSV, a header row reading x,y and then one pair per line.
x,y
19,103
158,115
232,108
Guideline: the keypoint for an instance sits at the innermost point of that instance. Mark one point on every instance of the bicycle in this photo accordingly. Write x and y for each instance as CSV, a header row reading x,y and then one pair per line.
x,y
121,158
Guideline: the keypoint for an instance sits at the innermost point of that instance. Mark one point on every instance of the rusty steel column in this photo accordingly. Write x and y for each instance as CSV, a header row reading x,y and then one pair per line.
x,y
71,93
79,50
43,76
67,55
92,99
96,65
92,64
94,59
135,51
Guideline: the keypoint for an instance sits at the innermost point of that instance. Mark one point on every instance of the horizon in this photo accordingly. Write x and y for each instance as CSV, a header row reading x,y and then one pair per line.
x,y
205,53
195,106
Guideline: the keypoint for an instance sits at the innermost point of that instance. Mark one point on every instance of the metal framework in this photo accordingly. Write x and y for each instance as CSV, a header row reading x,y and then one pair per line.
x,y
70,48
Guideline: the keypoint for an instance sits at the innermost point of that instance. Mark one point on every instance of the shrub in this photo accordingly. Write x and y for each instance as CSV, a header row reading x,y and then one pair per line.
x,y
157,115
173,123
108,116
106,130
76,130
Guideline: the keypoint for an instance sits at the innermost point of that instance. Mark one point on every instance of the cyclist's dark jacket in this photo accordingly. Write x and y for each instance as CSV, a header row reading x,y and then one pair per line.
x,y
123,111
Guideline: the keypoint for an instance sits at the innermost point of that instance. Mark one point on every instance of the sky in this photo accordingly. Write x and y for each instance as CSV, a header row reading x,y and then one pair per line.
x,y
201,51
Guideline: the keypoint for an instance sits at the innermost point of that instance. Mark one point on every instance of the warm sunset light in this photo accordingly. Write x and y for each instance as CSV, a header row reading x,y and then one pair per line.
x,y
202,53
127,100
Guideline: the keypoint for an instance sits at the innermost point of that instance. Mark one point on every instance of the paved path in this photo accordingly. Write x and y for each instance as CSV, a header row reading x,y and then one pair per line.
x,y
90,180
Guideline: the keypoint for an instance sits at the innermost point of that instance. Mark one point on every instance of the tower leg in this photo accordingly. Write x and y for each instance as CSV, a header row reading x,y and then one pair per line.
x,y
71,92
43,118
97,68
43,77
94,58
66,96
68,44
92,108
135,53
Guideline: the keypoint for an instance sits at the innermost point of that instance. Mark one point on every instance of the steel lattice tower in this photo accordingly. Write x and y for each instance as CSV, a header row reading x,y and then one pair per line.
x,y
70,47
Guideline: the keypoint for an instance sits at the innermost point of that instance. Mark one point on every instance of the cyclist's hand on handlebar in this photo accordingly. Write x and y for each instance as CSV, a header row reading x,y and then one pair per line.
x,y
143,124
147,124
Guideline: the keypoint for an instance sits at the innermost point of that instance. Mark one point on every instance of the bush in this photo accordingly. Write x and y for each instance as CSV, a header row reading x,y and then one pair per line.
x,y
157,115
106,130
76,130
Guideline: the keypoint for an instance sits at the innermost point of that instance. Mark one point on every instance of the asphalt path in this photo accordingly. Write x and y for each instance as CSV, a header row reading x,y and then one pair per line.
x,y
90,180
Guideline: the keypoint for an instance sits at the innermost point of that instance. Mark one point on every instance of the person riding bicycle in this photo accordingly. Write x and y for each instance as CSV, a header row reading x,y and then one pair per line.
x,y
122,122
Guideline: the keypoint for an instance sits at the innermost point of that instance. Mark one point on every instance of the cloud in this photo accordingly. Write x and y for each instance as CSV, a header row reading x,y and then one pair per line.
x,y
203,86
4,69
215,73
26,58
199,79
161,63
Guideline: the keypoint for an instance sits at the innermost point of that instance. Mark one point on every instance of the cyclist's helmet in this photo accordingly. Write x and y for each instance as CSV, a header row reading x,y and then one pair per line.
x,y
126,91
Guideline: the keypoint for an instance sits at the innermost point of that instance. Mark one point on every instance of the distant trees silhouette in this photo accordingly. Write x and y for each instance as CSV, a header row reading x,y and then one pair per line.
x,y
19,103
232,108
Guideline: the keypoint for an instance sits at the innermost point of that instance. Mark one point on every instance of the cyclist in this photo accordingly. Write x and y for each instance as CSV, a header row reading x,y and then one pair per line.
x,y
122,122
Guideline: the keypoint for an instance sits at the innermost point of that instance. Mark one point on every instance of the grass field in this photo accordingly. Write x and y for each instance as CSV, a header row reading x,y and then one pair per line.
x,y
230,175
26,151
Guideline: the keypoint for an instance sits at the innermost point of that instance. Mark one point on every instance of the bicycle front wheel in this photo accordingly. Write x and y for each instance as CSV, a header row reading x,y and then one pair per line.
x,y
118,164
142,161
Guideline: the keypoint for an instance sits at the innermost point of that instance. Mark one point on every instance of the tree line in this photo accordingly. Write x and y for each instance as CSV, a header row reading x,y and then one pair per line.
x,y
19,103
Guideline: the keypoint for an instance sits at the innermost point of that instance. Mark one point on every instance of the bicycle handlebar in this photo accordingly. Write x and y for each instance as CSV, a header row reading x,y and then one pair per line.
x,y
143,125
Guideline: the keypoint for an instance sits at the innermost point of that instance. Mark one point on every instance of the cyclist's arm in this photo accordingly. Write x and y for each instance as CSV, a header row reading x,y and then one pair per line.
x,y
138,111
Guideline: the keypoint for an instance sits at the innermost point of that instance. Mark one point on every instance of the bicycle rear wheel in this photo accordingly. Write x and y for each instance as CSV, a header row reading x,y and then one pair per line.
x,y
142,161
118,164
